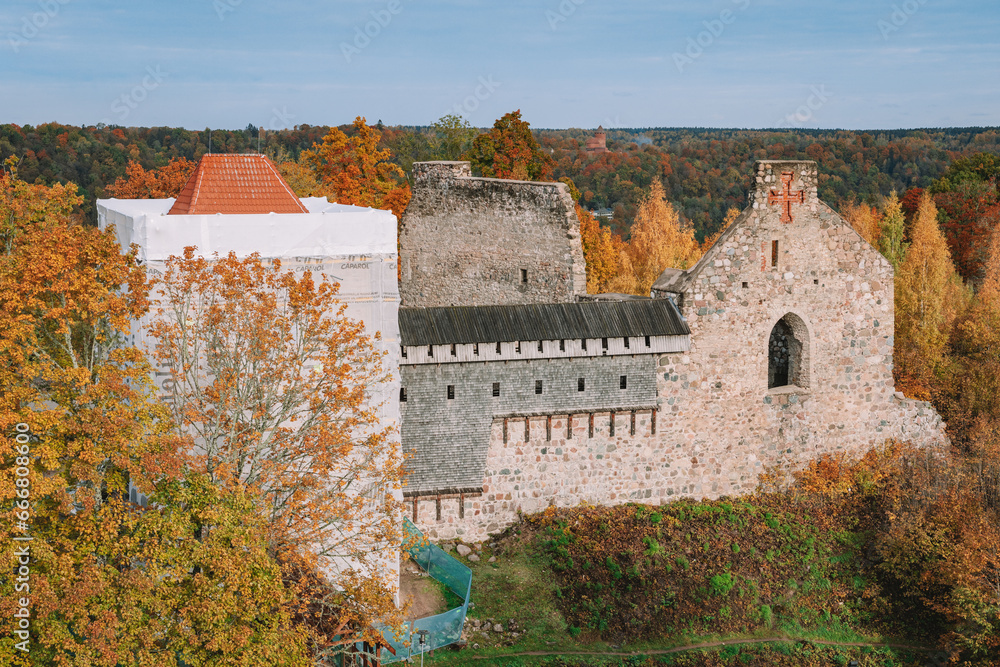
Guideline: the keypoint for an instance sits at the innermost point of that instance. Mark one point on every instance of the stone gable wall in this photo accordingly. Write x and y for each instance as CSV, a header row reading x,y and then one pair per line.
x,y
466,241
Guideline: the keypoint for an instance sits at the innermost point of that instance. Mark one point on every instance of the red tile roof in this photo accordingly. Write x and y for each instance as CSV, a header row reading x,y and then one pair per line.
x,y
232,184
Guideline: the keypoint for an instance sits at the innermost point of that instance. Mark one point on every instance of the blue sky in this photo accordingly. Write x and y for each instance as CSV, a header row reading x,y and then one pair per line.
x,y
856,64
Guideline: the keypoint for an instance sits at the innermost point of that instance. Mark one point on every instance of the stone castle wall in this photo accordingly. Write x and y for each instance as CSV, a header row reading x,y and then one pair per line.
x,y
718,424
486,241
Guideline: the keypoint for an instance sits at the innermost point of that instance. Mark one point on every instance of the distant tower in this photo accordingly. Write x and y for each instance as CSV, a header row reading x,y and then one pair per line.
x,y
598,143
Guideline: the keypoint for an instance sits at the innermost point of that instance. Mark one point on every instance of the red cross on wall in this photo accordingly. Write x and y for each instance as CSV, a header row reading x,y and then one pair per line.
x,y
786,198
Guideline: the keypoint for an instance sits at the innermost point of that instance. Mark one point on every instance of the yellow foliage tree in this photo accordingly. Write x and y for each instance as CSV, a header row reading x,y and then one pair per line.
x,y
658,241
924,282
604,252
865,220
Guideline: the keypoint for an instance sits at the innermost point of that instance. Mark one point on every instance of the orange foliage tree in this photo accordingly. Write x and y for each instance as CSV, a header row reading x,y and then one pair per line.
x,y
865,220
107,584
603,251
658,241
159,183
509,150
354,170
272,389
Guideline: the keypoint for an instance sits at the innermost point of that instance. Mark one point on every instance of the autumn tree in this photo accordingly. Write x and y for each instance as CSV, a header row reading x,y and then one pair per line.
x,y
892,230
110,584
509,150
924,283
604,253
275,388
167,181
453,137
865,220
658,240
354,170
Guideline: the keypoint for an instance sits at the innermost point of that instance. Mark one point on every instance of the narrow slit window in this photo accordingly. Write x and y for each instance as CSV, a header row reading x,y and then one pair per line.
x,y
496,388
623,382
451,392
626,342
402,394
562,346
475,349
604,343
774,253
581,384
539,346
498,347
538,386
518,347
583,344
454,350
524,275
647,341
430,350
402,351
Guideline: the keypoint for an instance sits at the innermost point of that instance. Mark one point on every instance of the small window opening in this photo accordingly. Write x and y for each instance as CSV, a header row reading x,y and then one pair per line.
x,y
475,349
774,253
454,350
583,344
626,342
562,346
451,391
524,275
498,347
402,351
746,285
430,350
816,281
518,347
581,384
402,394
538,386
647,341
623,382
786,353
496,388
539,346
604,343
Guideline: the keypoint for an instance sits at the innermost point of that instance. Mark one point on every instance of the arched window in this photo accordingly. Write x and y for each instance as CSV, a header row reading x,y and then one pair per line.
x,y
788,353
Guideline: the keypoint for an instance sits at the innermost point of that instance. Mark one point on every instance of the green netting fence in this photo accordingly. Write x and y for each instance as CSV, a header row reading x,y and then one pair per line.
x,y
442,629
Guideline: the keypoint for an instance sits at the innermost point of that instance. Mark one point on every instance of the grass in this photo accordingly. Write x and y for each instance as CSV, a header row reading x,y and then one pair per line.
x,y
638,580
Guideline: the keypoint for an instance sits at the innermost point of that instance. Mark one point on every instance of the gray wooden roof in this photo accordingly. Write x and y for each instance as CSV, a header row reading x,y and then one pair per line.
x,y
548,321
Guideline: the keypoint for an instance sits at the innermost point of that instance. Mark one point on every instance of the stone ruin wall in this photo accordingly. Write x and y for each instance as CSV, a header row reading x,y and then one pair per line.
x,y
717,424
468,241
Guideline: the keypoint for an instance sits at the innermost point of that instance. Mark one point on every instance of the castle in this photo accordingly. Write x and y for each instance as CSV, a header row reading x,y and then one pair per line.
x,y
519,391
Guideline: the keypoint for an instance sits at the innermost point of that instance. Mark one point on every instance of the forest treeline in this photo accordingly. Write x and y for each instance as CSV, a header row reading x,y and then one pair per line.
x,y
703,172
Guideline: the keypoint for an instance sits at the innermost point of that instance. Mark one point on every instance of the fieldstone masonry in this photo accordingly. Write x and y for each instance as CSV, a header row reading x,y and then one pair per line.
x,y
720,417
487,241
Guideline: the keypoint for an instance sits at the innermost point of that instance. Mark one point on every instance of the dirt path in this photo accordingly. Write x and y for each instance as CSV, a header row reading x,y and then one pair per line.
x,y
423,593
716,644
